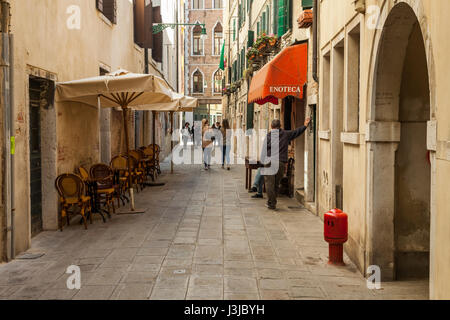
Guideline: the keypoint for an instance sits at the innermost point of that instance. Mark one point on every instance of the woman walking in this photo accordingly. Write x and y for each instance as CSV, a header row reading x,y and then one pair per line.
x,y
186,133
226,143
206,143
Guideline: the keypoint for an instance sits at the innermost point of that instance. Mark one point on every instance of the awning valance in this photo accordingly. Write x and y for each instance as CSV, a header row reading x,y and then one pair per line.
x,y
284,76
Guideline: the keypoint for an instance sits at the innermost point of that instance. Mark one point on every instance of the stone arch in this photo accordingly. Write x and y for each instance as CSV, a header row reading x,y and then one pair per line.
x,y
386,135
417,7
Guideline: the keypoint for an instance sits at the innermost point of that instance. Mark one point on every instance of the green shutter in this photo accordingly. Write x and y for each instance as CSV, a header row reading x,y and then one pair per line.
x,y
251,38
275,16
258,29
234,29
263,28
250,113
289,10
242,62
240,16
281,17
307,4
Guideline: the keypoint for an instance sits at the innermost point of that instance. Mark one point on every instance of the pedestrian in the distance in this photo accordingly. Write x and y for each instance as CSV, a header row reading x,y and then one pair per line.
x,y
277,158
226,143
186,134
207,144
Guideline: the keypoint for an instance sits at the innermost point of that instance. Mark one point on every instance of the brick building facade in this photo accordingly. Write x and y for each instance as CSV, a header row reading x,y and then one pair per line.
x,y
203,78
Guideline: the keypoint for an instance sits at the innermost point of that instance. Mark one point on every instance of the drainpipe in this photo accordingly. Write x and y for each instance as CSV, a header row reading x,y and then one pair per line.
x,y
8,132
13,140
315,40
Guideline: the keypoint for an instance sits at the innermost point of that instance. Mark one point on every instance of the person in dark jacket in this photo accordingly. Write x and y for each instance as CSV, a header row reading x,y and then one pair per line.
x,y
275,161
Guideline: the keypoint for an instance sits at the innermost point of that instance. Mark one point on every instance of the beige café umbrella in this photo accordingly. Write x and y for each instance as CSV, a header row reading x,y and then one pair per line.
x,y
180,103
117,89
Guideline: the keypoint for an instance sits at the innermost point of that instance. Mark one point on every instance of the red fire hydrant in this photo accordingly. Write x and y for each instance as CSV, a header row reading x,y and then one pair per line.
x,y
336,234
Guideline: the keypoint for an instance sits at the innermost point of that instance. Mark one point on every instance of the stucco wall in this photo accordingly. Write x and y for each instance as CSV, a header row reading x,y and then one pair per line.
x,y
336,17
44,41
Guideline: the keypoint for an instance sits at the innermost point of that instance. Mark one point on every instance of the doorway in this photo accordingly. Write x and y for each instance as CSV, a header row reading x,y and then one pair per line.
x,y
401,169
42,158
35,157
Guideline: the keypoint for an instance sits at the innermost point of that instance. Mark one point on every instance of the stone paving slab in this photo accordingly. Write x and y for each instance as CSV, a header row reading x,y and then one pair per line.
x,y
201,237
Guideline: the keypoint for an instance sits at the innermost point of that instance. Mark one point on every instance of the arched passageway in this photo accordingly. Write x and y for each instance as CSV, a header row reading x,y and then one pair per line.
x,y
400,164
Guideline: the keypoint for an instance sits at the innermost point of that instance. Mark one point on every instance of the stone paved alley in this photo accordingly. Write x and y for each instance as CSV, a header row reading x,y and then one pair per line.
x,y
201,237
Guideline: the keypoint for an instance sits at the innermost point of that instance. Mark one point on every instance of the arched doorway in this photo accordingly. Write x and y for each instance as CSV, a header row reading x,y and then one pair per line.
x,y
399,163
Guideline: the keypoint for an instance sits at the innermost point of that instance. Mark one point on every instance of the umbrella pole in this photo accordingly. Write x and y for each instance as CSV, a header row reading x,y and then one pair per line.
x,y
127,143
153,136
154,184
171,142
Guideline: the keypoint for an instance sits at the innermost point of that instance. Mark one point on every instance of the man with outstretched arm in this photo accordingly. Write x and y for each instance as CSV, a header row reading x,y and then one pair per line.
x,y
276,160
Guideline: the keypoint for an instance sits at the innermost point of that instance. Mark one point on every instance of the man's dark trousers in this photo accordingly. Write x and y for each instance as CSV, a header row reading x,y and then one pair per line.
x,y
273,183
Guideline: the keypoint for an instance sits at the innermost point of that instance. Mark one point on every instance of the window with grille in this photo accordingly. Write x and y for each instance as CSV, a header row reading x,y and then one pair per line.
x,y
218,77
218,39
218,4
197,82
197,4
108,8
197,41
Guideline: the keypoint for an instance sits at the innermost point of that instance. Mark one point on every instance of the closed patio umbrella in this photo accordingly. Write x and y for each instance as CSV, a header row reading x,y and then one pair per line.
x,y
117,89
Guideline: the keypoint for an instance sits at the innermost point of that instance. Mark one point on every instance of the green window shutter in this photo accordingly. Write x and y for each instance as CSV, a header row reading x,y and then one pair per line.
x,y
257,29
289,10
263,28
242,62
250,113
275,16
307,4
251,38
234,29
240,16
238,66
281,17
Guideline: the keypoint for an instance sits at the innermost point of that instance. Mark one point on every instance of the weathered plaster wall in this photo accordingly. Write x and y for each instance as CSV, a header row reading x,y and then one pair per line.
x,y
44,41
335,17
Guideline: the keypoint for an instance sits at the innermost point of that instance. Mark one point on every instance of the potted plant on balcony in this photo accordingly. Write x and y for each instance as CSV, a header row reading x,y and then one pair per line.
x,y
252,53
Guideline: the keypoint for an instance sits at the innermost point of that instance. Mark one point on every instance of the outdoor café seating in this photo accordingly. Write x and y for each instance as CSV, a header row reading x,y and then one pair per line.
x,y
73,199
106,191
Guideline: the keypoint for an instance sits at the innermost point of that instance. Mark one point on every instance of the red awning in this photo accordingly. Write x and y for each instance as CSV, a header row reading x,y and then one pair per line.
x,y
284,76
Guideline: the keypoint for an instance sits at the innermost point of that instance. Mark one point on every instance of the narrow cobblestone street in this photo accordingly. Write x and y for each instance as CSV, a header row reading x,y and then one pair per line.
x,y
201,237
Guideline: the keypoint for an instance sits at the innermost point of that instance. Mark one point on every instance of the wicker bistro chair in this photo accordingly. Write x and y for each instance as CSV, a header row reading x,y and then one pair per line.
x,y
150,163
71,191
84,174
137,172
120,165
156,156
146,164
107,191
